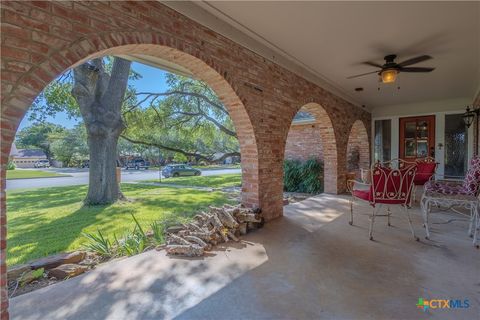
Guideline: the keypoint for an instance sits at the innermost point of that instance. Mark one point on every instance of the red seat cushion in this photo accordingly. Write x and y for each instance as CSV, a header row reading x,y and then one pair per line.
x,y
367,196
363,194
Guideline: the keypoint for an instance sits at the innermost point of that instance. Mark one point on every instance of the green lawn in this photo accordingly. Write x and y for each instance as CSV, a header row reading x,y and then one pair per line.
x,y
30,174
50,220
216,181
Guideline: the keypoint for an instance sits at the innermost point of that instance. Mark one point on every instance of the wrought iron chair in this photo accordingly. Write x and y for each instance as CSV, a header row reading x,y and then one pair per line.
x,y
453,193
392,184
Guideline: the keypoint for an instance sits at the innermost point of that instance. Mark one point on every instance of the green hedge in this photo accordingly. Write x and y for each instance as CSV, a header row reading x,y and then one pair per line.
x,y
303,176
10,165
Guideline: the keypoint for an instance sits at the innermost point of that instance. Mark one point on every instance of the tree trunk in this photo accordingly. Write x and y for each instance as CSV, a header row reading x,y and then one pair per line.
x,y
100,97
103,187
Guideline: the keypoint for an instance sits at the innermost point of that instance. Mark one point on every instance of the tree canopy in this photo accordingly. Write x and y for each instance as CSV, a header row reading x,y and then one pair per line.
x,y
187,119
70,146
39,136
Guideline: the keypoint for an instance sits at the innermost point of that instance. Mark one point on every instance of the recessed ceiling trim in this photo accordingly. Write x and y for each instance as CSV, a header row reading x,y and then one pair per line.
x,y
207,15
158,63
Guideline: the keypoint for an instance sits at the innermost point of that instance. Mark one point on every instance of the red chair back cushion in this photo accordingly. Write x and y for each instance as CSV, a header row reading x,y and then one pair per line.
x,y
392,185
425,170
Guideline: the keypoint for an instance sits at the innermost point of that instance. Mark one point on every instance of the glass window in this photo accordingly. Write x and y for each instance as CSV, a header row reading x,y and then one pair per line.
x,y
456,146
382,140
410,129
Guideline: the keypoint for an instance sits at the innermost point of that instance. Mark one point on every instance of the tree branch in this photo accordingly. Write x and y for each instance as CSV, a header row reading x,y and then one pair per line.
x,y
117,83
161,146
84,84
208,158
184,93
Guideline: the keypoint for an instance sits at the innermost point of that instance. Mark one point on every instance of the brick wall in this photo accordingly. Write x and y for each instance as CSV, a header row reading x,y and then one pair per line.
x,y
358,149
40,40
304,142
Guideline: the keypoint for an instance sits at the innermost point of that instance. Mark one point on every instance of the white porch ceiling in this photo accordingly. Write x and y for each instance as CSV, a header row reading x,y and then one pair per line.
x,y
331,39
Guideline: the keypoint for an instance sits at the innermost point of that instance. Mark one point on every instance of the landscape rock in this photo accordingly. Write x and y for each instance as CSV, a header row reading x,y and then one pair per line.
x,y
30,276
67,271
15,272
58,259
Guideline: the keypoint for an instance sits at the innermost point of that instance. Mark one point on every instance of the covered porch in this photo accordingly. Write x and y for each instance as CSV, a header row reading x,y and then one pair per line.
x,y
308,264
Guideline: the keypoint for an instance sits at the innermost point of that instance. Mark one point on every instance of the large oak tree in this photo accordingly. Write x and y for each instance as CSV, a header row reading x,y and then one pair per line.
x,y
100,96
187,119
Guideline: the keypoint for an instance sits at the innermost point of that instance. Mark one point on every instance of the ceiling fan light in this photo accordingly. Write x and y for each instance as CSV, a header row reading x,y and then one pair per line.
x,y
389,75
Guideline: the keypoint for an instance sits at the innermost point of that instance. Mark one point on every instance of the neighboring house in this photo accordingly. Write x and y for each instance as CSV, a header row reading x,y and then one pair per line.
x,y
228,160
13,152
26,158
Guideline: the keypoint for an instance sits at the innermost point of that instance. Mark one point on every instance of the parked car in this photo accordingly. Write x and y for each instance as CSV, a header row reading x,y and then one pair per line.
x,y
42,164
177,170
137,164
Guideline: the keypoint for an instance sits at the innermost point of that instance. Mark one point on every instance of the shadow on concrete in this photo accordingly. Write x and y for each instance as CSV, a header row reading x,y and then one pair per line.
x,y
291,269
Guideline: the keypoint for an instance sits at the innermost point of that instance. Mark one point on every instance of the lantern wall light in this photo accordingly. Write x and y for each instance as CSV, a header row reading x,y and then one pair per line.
x,y
469,115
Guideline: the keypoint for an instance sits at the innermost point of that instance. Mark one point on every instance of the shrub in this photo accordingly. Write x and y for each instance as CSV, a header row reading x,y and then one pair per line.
x,y
305,177
10,165
98,243
131,243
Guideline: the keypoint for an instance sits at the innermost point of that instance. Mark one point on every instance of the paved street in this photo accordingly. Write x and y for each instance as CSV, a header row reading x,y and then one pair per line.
x,y
80,176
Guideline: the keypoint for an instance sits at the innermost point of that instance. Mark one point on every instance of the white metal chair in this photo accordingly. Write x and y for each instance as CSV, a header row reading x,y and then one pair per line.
x,y
455,193
391,184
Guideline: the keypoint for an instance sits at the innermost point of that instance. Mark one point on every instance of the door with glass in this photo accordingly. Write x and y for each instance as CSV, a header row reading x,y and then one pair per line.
x,y
456,146
417,137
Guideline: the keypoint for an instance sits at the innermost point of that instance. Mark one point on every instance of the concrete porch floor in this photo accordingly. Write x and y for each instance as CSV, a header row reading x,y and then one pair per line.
x,y
310,264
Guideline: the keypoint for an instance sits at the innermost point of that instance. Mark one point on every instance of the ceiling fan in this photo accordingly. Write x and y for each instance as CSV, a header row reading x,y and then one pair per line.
x,y
390,69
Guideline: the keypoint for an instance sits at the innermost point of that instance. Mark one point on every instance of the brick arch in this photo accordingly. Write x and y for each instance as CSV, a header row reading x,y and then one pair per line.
x,y
304,141
326,143
17,101
42,39
358,148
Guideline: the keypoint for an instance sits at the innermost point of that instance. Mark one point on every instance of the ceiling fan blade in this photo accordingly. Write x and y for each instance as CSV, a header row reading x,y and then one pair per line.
x,y
373,64
416,69
414,60
361,75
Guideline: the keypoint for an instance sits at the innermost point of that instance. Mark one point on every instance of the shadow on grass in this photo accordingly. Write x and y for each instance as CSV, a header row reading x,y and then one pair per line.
x,y
50,220
214,181
44,198
51,236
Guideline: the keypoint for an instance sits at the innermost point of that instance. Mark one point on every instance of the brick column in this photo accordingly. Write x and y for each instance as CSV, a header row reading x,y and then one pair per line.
x,y
8,127
358,145
40,40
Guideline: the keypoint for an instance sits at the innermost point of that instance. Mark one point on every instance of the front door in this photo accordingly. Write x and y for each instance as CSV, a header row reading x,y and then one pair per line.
x,y
417,137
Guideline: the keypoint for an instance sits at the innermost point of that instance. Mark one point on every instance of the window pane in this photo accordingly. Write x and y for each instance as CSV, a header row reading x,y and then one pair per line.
x,y
456,146
422,148
410,129
382,140
410,148
422,130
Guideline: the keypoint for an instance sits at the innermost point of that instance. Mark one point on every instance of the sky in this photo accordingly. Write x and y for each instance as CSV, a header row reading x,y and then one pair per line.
x,y
153,80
